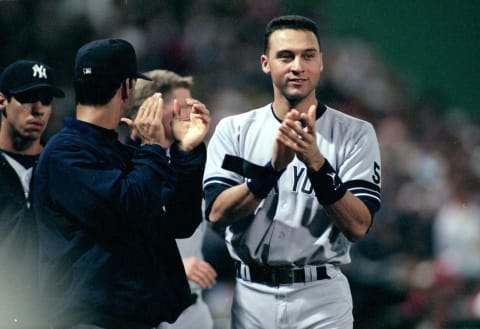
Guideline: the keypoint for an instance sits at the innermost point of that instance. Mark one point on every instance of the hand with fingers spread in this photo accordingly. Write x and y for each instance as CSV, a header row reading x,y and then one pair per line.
x,y
200,272
148,126
190,131
297,134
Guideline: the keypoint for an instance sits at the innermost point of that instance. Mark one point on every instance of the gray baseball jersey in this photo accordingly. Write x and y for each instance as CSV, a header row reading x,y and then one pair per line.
x,y
290,227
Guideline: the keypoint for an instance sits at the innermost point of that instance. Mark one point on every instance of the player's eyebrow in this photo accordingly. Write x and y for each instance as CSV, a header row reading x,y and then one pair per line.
x,y
290,52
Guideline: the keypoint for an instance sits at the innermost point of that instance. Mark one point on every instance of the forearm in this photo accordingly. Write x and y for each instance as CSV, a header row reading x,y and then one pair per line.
x,y
233,204
350,216
184,209
184,215
185,206
348,213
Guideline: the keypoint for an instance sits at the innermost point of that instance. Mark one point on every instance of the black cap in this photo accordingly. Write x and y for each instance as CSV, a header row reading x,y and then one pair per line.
x,y
107,58
24,75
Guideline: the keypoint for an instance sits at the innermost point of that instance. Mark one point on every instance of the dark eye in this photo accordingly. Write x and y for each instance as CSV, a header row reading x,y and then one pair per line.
x,y
309,55
25,97
33,96
46,99
285,56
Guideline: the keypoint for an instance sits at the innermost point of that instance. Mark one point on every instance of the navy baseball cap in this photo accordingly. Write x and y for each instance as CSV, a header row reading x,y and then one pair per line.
x,y
107,58
26,75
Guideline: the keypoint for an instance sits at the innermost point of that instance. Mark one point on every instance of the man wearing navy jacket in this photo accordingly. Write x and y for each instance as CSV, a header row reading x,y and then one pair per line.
x,y
109,213
27,90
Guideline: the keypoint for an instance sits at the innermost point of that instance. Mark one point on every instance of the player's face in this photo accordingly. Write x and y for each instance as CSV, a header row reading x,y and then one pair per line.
x,y
294,62
180,94
26,115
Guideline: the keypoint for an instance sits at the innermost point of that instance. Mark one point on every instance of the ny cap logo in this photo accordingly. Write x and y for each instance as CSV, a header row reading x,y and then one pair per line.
x,y
39,71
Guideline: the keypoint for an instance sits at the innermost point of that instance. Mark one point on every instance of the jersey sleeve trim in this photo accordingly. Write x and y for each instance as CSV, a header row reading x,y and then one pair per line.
x,y
367,192
219,180
211,191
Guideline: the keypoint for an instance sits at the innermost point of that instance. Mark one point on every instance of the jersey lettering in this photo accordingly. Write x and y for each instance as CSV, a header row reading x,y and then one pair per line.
x,y
299,175
306,186
376,173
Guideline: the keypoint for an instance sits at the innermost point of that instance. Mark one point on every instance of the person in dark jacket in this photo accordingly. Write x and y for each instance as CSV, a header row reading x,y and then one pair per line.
x,y
177,97
26,93
109,213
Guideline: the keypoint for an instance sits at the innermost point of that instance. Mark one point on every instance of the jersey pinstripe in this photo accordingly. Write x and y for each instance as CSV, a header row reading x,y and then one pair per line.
x,y
290,227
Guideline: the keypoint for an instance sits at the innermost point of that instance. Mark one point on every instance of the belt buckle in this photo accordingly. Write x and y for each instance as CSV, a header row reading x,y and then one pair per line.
x,y
282,276
291,275
273,277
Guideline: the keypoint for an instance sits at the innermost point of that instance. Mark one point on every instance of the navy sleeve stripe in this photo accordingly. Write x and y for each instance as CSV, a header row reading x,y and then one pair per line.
x,y
362,191
373,206
219,180
368,192
362,184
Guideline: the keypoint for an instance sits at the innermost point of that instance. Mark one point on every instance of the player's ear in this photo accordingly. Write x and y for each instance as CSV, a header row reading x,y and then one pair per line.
x,y
321,61
127,88
3,104
265,64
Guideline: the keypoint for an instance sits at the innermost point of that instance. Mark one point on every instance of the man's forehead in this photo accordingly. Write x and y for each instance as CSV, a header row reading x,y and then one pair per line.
x,y
293,39
181,92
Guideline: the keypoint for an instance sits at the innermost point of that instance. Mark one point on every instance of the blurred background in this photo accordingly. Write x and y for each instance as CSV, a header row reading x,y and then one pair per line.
x,y
411,68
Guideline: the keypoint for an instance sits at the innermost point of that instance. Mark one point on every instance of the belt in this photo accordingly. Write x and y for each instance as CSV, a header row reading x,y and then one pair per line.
x,y
274,276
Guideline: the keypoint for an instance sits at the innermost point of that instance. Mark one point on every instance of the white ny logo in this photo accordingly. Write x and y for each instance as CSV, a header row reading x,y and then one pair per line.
x,y
39,71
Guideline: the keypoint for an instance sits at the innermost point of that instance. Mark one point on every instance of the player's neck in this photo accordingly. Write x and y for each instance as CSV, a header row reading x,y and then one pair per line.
x,y
283,106
105,116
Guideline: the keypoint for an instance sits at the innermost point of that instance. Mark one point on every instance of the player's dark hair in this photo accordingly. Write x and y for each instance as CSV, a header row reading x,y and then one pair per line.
x,y
295,22
96,91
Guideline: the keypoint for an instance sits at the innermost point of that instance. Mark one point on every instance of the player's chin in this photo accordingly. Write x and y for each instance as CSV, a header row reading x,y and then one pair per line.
x,y
32,134
295,97
297,92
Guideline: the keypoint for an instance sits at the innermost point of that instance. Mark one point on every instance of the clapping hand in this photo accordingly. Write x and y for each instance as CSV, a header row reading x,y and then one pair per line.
x,y
189,129
147,125
297,136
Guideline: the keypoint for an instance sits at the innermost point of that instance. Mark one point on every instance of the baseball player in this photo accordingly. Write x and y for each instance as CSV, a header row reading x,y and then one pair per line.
x,y
295,182
27,89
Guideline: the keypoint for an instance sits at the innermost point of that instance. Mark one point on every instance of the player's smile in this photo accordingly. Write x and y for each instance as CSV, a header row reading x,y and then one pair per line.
x,y
297,82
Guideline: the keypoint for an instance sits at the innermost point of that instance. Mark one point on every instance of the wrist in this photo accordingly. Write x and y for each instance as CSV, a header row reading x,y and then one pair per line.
x,y
315,162
327,184
260,187
183,147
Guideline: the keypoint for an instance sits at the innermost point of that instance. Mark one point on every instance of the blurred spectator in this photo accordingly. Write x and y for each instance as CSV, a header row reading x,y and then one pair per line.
x,y
456,227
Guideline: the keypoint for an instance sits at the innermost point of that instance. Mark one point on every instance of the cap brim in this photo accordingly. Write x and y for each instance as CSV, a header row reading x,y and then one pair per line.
x,y
142,76
56,92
